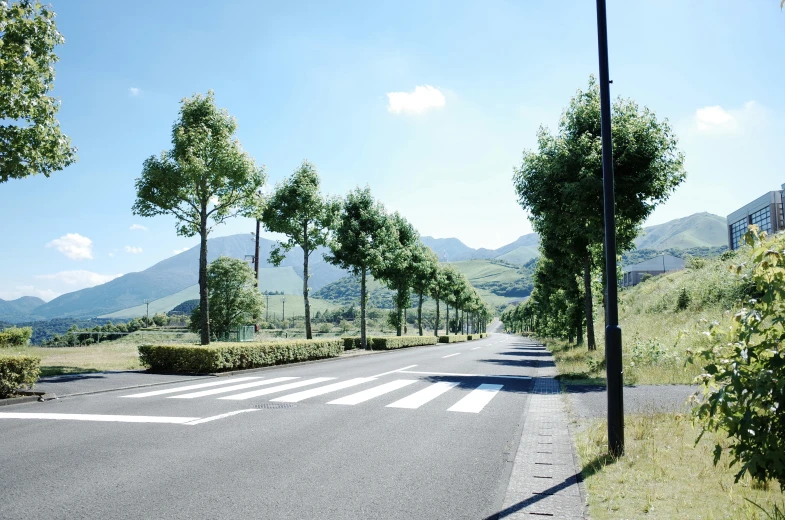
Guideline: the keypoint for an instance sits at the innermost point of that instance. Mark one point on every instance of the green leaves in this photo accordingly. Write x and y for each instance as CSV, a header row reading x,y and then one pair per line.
x,y
30,138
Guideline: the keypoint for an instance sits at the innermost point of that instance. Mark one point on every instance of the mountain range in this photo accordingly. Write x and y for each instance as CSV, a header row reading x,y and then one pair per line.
x,y
176,277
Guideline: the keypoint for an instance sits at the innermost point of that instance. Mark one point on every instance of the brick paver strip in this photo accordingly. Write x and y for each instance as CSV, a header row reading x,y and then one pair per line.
x,y
545,476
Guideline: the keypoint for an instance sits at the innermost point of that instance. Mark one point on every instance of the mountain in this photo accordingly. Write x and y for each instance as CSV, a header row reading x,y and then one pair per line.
x,y
453,250
19,309
698,230
180,272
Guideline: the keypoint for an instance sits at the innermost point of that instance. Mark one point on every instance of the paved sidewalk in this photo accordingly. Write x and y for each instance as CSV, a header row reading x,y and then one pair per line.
x,y
544,480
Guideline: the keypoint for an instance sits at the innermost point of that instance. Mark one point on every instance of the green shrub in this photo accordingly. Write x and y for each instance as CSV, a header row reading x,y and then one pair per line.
x,y
744,372
352,342
235,356
454,338
15,336
683,301
18,372
393,342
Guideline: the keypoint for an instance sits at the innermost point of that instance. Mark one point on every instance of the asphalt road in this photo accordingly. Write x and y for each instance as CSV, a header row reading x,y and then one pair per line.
x,y
416,433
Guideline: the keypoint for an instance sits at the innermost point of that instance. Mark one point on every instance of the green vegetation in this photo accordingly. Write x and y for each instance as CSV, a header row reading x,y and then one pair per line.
x,y
15,336
205,176
235,356
30,133
561,186
17,372
665,474
455,338
641,255
391,343
700,230
233,296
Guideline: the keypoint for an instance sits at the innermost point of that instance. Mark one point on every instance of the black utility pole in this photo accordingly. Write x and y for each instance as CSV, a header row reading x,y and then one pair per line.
x,y
612,330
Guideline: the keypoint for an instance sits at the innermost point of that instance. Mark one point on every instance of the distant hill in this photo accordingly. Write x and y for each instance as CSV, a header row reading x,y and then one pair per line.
x,y
19,309
698,230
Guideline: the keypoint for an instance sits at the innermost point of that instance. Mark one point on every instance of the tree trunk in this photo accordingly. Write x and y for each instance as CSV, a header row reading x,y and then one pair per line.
x,y
363,298
308,334
203,303
587,304
436,326
399,310
419,314
447,327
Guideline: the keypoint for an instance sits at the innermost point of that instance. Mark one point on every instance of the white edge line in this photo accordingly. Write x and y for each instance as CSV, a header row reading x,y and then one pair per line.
x,y
475,348
394,371
216,417
450,355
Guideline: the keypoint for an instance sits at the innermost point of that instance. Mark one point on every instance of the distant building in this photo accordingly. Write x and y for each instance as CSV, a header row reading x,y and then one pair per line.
x,y
654,266
765,212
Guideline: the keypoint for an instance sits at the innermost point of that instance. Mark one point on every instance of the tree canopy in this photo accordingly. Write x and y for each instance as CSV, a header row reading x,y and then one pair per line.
x,y
30,138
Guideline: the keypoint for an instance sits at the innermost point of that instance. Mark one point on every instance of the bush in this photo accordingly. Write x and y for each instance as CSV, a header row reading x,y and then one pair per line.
x,y
744,375
394,342
352,342
324,328
683,301
18,372
235,356
15,336
454,338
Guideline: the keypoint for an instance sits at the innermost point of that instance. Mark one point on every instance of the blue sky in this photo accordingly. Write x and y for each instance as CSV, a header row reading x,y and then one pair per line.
x,y
312,80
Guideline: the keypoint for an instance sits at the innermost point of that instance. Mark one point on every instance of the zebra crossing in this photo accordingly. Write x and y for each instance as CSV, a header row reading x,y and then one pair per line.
x,y
243,388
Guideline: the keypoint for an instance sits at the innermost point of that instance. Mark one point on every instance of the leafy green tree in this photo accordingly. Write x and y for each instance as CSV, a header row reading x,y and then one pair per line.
x,y
561,184
425,265
396,269
361,234
30,138
437,290
205,176
234,298
298,210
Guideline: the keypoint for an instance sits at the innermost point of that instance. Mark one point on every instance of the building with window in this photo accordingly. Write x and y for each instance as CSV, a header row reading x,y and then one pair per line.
x,y
633,274
765,212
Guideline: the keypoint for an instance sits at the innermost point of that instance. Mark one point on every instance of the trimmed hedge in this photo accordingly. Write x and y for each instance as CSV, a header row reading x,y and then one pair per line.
x,y
453,338
393,342
18,372
352,342
222,357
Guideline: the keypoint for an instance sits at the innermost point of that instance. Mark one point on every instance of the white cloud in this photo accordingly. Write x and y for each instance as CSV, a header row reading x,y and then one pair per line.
x,y
74,246
78,279
137,227
417,101
132,250
111,255
178,251
134,91
29,290
718,120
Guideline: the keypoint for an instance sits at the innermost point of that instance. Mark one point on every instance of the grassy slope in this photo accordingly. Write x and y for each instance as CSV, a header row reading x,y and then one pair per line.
x,y
655,333
520,255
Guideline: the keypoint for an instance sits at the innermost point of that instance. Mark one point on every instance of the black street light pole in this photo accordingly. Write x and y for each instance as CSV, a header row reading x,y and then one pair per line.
x,y
612,330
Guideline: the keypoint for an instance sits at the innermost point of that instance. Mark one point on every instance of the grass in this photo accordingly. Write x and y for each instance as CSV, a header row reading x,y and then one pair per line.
x,y
656,333
664,475
76,360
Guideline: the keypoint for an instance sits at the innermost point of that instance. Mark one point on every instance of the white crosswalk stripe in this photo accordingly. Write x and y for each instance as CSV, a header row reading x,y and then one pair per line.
x,y
279,388
366,395
225,381
418,399
306,394
225,389
477,399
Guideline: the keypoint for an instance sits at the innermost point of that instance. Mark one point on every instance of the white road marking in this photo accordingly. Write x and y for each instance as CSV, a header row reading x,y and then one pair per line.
x,y
475,348
231,388
394,371
365,395
476,400
99,418
490,376
216,417
418,399
225,381
279,388
299,396
450,355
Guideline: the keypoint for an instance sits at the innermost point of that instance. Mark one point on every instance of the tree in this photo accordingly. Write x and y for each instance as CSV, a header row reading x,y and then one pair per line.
x,y
206,175
396,269
234,298
300,212
30,138
437,290
425,265
361,234
561,184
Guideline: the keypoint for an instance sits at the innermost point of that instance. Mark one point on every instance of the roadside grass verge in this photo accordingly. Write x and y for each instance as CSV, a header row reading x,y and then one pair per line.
x,y
77,360
664,475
